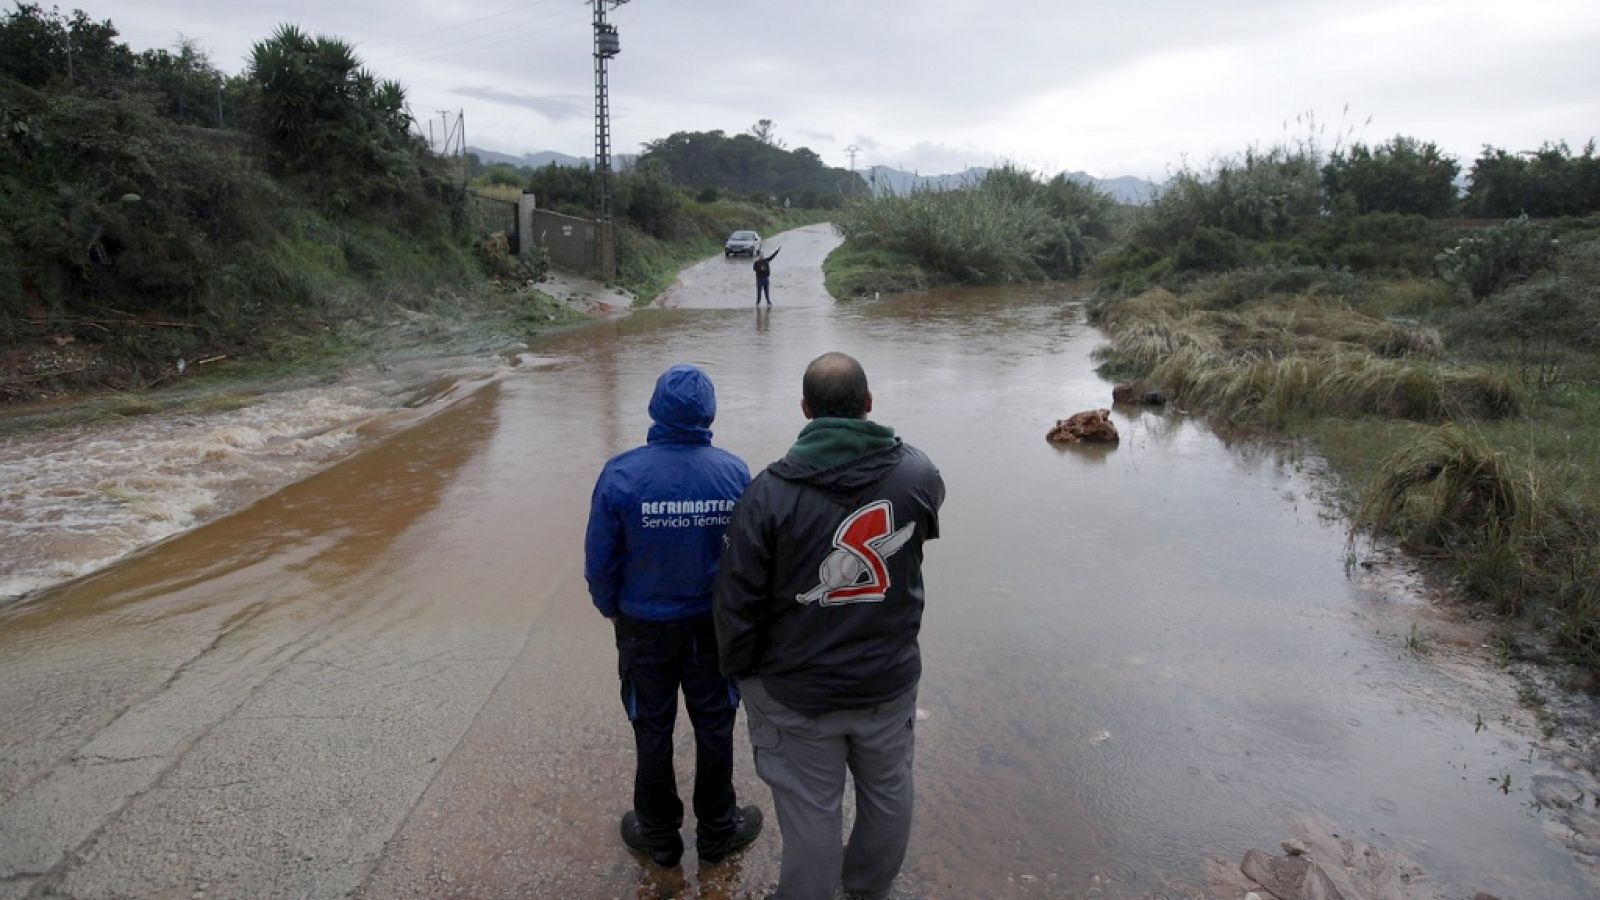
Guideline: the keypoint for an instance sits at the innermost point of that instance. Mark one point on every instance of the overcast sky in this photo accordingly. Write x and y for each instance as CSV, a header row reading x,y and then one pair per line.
x,y
1112,88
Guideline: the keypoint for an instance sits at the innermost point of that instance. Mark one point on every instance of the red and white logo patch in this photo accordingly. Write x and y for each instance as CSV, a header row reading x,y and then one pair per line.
x,y
857,571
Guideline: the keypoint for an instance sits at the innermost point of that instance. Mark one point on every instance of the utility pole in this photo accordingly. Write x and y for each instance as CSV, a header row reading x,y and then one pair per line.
x,y
852,150
606,45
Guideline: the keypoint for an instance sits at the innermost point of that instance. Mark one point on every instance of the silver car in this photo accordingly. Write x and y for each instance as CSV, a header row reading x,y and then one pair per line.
x,y
742,243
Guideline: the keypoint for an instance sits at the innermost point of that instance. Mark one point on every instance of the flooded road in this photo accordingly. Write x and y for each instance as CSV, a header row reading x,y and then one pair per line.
x,y
729,283
388,680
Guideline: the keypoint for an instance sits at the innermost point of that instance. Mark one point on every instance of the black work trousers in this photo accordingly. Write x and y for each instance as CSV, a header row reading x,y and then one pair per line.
x,y
655,660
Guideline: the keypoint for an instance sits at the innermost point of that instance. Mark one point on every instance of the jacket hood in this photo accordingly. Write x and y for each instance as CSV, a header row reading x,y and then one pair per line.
x,y
846,478
827,441
683,407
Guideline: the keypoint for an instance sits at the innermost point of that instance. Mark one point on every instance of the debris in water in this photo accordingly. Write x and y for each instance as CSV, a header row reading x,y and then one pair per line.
x,y
1100,737
1091,426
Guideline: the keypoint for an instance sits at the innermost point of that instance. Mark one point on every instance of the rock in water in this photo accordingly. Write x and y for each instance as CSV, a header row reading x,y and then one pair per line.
x,y
1289,878
1279,877
1127,392
1088,427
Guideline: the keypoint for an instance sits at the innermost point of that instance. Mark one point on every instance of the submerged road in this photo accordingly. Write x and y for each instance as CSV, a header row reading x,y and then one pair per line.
x,y
387,680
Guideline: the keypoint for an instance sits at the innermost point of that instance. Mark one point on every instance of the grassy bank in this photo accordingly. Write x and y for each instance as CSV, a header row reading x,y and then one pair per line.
x,y
1461,409
853,270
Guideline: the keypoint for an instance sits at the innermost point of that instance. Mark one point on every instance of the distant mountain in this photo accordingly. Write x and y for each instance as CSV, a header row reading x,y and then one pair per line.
x,y
1124,189
619,161
889,180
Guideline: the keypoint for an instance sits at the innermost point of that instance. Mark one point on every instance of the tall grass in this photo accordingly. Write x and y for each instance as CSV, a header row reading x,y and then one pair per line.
x,y
1269,363
1509,539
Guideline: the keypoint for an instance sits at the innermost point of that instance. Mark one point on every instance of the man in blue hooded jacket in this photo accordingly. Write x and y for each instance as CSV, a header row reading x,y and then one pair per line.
x,y
650,556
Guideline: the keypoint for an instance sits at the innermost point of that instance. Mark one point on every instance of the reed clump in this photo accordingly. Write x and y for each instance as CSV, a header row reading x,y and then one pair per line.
x,y
1267,363
1509,538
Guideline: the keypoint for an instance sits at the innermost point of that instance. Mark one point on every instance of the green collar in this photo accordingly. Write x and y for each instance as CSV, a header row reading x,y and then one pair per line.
x,y
827,442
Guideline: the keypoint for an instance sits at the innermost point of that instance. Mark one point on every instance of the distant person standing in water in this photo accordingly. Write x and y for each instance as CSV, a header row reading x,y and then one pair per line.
x,y
763,267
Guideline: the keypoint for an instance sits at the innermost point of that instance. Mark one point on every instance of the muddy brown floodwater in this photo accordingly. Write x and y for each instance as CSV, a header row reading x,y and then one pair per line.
x,y
388,680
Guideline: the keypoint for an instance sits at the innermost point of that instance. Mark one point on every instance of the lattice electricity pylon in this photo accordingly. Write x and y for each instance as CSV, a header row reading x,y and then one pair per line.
x,y
606,45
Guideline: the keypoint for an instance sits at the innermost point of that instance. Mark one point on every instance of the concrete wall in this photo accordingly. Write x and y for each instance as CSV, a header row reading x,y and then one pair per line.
x,y
574,244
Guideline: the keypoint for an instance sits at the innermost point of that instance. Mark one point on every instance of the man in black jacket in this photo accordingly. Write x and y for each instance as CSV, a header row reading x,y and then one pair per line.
x,y
763,267
818,603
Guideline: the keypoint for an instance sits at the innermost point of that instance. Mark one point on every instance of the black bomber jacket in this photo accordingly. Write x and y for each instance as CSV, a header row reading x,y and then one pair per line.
x,y
819,590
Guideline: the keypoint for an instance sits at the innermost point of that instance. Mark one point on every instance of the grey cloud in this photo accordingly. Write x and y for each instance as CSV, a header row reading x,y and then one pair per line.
x,y
555,107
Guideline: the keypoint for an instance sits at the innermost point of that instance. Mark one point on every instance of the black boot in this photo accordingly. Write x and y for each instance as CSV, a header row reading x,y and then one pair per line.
x,y
664,853
746,825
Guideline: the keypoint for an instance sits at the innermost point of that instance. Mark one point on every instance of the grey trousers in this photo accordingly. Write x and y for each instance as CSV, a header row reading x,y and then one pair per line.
x,y
804,760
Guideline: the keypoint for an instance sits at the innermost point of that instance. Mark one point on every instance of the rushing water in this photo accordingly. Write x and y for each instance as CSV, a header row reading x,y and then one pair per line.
x,y
388,678
75,499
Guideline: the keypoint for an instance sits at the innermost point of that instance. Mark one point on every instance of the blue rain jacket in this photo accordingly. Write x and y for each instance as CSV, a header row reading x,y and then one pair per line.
x,y
658,512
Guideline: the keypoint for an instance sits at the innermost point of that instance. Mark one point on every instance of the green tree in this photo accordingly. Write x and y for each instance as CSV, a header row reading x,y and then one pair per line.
x,y
39,47
1401,175
745,164
1551,181
569,189
766,132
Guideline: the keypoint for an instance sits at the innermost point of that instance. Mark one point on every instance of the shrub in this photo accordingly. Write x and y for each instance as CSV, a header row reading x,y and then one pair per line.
x,y
1485,263
1010,227
1375,242
1210,249
1259,196
567,189
649,201
1558,310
